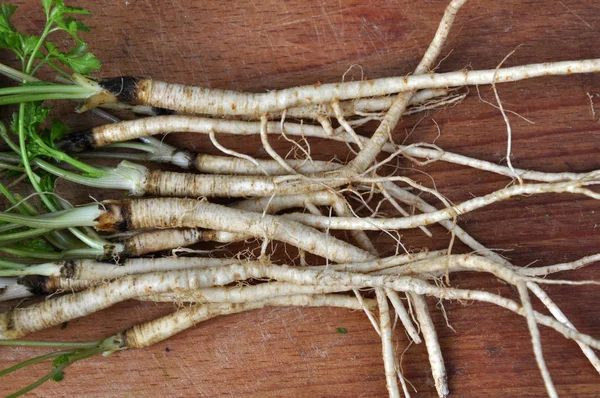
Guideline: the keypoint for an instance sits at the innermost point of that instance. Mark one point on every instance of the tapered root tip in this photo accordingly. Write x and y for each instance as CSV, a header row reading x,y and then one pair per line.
x,y
79,141
123,87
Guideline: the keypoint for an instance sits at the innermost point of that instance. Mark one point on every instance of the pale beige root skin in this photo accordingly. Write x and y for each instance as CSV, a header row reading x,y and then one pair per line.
x,y
198,100
387,345
238,166
359,106
536,339
264,139
403,315
416,201
511,274
161,329
438,369
456,263
92,270
76,275
369,223
420,287
560,316
22,321
132,129
159,240
275,204
383,133
189,213
550,269
241,294
14,292
171,185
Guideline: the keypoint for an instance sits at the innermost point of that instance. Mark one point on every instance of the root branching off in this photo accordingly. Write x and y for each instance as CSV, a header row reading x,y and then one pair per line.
x,y
308,196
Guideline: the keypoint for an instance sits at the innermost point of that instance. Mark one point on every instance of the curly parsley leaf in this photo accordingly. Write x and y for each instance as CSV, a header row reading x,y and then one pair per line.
x,y
79,60
59,17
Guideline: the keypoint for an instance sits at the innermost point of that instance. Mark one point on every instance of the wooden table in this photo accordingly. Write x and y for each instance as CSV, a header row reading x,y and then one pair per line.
x,y
261,45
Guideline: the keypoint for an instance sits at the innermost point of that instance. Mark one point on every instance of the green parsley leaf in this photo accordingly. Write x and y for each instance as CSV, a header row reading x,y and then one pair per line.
x,y
57,132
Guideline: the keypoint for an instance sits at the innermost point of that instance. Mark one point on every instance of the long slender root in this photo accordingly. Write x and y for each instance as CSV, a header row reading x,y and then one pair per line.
x,y
281,201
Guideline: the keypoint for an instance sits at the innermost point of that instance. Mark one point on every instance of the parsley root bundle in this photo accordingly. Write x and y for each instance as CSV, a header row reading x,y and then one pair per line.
x,y
327,155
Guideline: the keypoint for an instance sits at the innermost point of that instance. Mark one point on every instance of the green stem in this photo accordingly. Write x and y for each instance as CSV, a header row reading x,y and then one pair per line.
x,y
33,361
43,36
108,345
15,74
73,254
25,157
7,166
9,141
7,239
74,177
49,88
36,384
16,99
9,227
92,241
9,264
10,157
49,344
77,217
63,157
61,240
13,201
58,69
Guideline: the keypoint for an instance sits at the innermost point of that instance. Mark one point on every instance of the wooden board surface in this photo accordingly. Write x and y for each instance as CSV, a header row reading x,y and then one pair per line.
x,y
261,45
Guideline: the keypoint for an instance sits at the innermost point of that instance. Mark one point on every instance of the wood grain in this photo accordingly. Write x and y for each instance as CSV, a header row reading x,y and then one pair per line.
x,y
260,45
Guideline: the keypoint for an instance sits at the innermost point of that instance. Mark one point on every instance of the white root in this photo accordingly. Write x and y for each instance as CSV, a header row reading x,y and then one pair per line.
x,y
278,203
544,271
22,321
382,264
536,339
423,99
76,275
224,102
367,311
161,329
349,130
387,345
91,270
369,223
436,361
558,314
158,240
284,184
382,134
14,291
188,213
403,315
128,130
264,139
240,166
247,158
416,201
314,210
242,294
